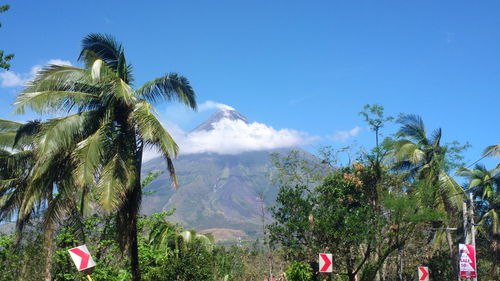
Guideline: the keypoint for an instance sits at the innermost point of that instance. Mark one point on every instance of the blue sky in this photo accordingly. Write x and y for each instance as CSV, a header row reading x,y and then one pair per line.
x,y
309,66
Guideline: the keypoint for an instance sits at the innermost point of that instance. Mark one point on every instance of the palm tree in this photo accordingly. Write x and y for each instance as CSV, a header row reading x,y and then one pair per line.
x,y
423,158
15,164
482,182
485,186
164,235
107,128
25,199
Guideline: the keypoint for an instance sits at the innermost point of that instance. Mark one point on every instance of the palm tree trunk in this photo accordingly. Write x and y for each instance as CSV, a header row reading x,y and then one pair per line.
x,y
496,250
134,250
49,244
135,201
453,257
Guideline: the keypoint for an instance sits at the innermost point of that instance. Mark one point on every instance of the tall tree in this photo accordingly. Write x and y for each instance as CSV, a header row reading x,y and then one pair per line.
x,y
23,198
485,186
108,127
423,158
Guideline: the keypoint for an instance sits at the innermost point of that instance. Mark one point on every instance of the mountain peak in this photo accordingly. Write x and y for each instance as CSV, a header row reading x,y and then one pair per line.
x,y
227,113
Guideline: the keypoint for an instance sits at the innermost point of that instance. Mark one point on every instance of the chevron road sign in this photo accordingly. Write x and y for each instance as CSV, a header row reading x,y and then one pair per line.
x,y
325,263
81,257
423,273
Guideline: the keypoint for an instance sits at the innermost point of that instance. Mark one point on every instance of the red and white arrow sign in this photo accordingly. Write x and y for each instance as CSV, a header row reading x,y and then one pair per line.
x,y
81,257
325,263
423,273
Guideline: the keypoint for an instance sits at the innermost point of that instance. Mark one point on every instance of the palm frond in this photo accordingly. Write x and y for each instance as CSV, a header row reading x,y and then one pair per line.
x,y
113,184
7,125
57,88
26,133
90,154
154,134
492,150
413,127
169,87
452,191
436,138
102,45
109,50
7,140
63,133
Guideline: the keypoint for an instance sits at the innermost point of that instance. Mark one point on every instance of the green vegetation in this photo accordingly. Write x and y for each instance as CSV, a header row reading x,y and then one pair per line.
x,y
76,179
386,213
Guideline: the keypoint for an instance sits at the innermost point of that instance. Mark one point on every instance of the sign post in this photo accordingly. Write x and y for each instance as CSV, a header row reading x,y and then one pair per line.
x,y
325,263
423,273
82,259
467,254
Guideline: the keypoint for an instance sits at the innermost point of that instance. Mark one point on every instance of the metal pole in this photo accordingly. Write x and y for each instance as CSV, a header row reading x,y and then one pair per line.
x,y
473,228
88,277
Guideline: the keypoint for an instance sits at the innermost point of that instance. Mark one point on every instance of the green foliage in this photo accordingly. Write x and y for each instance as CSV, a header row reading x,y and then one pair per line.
x,y
440,266
292,225
298,271
192,260
374,116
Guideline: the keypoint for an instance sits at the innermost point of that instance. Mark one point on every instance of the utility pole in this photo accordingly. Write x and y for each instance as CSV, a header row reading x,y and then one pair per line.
x,y
472,228
468,217
466,227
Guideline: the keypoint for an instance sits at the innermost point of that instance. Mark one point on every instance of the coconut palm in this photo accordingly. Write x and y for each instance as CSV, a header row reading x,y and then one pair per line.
x,y
21,197
422,158
485,186
107,127
15,164
481,181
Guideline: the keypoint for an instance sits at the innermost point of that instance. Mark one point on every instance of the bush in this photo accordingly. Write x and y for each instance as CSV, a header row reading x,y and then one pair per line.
x,y
299,271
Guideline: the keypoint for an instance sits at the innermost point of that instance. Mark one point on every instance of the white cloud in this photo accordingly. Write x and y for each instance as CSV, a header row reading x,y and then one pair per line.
x,y
234,137
13,79
213,105
342,136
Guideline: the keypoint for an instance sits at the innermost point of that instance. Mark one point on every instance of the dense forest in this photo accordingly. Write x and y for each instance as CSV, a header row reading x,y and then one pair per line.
x,y
76,179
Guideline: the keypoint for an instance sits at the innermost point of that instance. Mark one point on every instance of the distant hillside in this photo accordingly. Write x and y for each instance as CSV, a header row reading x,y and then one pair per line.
x,y
216,191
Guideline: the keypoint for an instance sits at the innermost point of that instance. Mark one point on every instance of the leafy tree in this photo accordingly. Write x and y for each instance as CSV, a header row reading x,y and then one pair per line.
x,y
423,158
108,126
374,116
299,271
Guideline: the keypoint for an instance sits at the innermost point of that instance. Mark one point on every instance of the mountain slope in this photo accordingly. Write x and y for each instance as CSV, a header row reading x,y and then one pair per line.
x,y
216,191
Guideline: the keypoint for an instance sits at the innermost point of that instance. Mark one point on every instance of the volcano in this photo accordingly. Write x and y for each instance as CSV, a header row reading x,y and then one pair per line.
x,y
218,193
226,113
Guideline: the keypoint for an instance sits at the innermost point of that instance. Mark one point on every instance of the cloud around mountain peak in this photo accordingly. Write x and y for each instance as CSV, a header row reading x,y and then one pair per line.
x,y
229,132
234,136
